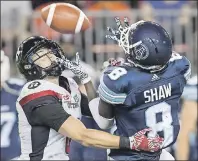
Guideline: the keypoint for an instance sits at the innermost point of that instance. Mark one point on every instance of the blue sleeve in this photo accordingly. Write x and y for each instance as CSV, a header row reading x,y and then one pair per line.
x,y
183,66
187,68
15,84
112,91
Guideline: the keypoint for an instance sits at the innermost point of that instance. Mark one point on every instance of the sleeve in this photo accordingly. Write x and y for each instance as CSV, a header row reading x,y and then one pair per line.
x,y
45,111
111,90
187,68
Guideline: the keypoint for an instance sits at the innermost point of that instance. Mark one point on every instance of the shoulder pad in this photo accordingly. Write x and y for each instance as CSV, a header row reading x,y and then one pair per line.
x,y
39,88
112,84
181,65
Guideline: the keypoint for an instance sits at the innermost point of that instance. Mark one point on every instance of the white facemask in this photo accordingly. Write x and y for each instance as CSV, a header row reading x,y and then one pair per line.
x,y
5,67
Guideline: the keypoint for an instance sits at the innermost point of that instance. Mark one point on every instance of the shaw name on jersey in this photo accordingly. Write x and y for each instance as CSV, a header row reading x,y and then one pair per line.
x,y
159,93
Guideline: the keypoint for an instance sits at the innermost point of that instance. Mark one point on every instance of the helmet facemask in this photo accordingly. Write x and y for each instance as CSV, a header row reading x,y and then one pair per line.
x,y
45,60
42,61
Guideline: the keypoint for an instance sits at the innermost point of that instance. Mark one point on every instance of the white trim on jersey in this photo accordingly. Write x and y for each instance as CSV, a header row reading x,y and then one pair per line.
x,y
109,96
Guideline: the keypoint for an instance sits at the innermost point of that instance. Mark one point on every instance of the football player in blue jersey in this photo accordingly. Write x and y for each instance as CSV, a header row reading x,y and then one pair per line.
x,y
142,93
10,87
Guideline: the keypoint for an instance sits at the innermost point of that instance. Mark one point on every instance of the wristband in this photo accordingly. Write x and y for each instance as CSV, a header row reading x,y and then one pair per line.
x,y
124,143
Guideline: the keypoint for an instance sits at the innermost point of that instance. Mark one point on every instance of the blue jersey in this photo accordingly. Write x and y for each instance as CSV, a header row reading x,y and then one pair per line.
x,y
10,144
144,100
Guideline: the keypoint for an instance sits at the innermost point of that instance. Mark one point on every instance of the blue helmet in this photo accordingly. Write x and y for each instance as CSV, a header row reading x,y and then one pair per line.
x,y
147,45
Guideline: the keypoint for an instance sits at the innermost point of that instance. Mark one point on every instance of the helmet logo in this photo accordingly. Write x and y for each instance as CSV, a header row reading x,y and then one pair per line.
x,y
141,52
27,66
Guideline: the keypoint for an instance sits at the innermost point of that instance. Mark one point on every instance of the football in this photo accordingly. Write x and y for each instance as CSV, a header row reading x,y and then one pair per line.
x,y
65,18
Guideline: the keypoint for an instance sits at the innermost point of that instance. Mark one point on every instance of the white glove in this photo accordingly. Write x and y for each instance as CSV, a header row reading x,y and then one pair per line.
x,y
76,68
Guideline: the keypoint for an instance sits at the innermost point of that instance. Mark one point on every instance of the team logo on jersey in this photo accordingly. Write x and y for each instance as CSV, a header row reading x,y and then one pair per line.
x,y
74,103
71,101
141,52
34,85
66,98
76,99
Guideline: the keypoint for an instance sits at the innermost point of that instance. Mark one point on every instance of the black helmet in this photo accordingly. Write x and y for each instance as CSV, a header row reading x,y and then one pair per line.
x,y
28,48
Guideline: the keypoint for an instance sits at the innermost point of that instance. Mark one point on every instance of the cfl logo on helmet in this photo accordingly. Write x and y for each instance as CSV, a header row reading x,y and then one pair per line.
x,y
141,52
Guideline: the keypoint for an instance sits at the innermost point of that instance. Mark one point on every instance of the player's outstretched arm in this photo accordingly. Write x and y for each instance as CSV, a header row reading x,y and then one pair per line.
x,y
48,111
76,130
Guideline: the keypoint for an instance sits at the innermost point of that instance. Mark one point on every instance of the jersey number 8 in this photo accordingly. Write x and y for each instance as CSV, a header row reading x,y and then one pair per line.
x,y
165,125
117,73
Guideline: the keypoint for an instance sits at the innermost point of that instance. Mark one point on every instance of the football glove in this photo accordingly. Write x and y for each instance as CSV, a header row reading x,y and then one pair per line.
x,y
116,34
76,68
140,142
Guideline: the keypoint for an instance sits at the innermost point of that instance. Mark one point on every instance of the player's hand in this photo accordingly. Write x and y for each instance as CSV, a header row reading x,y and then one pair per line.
x,y
116,34
141,142
76,68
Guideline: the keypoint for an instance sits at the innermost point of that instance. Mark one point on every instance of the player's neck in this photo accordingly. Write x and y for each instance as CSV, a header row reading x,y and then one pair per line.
x,y
52,79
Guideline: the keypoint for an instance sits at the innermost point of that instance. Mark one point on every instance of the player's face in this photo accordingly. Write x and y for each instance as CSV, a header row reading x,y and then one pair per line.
x,y
44,58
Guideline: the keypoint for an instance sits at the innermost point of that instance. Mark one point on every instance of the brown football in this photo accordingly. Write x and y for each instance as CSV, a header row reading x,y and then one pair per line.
x,y
65,18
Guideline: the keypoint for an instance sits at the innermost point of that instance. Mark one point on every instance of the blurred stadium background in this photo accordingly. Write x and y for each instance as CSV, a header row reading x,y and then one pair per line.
x,y
21,19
